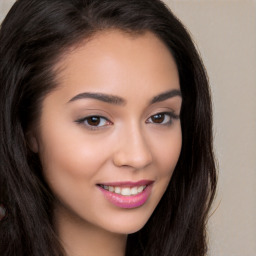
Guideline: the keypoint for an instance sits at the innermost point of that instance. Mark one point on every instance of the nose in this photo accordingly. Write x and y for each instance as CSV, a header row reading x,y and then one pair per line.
x,y
133,150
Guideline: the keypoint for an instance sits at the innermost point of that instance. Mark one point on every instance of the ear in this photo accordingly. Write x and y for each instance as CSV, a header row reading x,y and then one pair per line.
x,y
32,141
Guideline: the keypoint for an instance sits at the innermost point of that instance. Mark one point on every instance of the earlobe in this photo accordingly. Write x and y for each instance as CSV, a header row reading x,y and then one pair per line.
x,y
32,142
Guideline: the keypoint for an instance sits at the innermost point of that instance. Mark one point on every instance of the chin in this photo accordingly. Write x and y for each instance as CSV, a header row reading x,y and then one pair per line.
x,y
128,223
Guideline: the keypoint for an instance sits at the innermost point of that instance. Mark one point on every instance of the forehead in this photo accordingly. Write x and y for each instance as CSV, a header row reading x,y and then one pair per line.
x,y
117,60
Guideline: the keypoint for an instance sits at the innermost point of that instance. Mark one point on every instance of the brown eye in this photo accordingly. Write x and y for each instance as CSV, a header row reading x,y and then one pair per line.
x,y
93,120
158,118
162,118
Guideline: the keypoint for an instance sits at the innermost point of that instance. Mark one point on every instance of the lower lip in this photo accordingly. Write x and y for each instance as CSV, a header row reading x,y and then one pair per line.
x,y
127,202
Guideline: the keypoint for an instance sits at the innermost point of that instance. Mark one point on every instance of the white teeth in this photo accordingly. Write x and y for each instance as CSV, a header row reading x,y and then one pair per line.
x,y
140,189
124,191
111,189
134,191
117,190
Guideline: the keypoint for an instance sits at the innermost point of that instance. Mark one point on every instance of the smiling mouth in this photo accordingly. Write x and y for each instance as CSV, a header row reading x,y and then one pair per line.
x,y
127,194
124,191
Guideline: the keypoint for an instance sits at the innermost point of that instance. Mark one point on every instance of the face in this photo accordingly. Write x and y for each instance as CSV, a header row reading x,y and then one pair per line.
x,y
109,136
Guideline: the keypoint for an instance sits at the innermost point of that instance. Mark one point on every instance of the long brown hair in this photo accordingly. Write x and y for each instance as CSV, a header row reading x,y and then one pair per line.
x,y
33,36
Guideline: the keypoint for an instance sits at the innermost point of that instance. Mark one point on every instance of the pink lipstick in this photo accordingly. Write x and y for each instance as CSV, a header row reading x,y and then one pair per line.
x,y
127,194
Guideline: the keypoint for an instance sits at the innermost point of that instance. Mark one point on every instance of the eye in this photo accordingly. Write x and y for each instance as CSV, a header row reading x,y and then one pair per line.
x,y
165,118
94,122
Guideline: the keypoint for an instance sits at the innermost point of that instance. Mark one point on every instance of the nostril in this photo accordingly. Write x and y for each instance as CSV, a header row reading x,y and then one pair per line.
x,y
133,149
135,159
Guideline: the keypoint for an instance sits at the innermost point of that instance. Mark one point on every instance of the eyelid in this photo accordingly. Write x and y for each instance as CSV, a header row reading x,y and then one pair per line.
x,y
82,121
171,115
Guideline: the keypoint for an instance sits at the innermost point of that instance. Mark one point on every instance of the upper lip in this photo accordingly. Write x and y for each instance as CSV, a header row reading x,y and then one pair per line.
x,y
128,183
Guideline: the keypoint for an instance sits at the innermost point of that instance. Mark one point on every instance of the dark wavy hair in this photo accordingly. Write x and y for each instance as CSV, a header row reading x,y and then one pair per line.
x,y
33,37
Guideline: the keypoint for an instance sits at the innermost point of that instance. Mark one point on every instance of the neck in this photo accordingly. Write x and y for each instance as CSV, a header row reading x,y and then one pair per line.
x,y
81,238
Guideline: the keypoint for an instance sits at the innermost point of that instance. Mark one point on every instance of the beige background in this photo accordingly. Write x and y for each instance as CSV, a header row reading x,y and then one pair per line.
x,y
225,32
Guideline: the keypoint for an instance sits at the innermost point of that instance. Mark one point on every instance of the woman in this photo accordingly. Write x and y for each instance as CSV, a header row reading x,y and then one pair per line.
x,y
106,145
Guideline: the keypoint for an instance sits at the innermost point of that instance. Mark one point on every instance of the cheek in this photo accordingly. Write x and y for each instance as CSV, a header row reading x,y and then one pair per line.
x,y
70,157
167,152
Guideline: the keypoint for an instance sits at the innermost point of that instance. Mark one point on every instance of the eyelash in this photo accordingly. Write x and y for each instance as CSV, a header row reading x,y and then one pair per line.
x,y
170,116
84,121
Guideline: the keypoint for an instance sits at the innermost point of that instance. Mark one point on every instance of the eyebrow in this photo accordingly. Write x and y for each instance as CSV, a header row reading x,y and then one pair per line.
x,y
100,96
166,95
116,100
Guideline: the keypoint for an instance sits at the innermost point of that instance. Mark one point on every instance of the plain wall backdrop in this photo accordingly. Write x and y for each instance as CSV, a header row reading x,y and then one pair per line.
x,y
225,33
